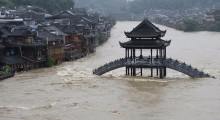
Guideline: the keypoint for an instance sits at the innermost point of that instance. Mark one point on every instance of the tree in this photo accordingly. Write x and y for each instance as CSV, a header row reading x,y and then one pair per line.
x,y
138,6
102,38
215,27
49,62
190,25
6,2
5,70
50,5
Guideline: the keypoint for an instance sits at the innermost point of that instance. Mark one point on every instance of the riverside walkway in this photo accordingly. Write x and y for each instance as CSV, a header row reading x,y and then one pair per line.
x,y
144,63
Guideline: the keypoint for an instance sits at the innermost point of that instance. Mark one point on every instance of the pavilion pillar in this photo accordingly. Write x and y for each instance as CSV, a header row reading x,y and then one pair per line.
x,y
131,53
165,71
161,73
141,71
165,52
126,53
151,53
152,72
157,59
134,71
161,55
134,55
157,71
157,54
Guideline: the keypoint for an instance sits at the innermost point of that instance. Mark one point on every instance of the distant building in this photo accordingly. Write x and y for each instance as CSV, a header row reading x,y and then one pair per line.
x,y
213,16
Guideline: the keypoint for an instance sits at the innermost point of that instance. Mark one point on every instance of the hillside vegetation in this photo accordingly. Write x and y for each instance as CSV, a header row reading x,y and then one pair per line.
x,y
139,6
50,5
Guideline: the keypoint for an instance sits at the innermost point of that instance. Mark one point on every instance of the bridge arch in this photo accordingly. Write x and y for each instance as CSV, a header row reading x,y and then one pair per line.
x,y
168,62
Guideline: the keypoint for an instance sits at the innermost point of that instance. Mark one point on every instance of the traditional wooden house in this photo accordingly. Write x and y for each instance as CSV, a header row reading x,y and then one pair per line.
x,y
1,51
96,29
213,16
86,27
22,49
63,18
55,45
6,12
73,43
31,17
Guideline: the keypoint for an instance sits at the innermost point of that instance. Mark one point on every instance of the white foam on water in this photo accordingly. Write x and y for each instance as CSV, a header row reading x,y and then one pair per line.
x,y
15,107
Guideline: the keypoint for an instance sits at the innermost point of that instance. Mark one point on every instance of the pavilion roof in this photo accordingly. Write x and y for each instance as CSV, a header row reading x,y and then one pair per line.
x,y
145,30
145,44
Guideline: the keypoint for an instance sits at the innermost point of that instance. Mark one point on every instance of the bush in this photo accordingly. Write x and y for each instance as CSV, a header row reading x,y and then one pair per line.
x,y
5,70
190,25
101,38
112,21
49,62
215,27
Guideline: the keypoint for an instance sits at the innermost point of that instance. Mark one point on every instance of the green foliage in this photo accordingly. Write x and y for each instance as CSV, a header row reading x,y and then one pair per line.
x,y
215,27
138,6
49,62
50,5
101,38
6,2
5,70
190,25
112,21
109,6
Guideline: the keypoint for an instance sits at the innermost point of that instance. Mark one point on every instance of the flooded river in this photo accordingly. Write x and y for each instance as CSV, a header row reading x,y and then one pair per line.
x,y
71,92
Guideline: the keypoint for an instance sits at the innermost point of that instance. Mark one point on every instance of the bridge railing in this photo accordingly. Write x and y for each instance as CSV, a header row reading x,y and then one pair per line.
x,y
184,68
110,66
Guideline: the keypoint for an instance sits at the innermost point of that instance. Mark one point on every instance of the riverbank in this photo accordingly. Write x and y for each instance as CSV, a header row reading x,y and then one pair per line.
x,y
196,19
191,25
7,75
45,40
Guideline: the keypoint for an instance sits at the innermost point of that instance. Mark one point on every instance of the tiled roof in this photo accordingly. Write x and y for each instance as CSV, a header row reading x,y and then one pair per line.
x,y
32,15
55,29
15,31
143,44
68,29
63,14
145,30
44,34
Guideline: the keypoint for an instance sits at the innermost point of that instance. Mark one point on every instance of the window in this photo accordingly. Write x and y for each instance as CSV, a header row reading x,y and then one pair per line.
x,y
30,39
12,52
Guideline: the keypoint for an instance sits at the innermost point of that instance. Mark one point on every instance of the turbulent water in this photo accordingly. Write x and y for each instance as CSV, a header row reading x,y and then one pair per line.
x,y
71,92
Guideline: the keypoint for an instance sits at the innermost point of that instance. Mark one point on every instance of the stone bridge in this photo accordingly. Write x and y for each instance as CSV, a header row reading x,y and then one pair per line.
x,y
168,62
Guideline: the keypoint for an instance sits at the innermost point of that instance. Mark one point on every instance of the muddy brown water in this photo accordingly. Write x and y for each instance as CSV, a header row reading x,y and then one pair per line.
x,y
71,92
